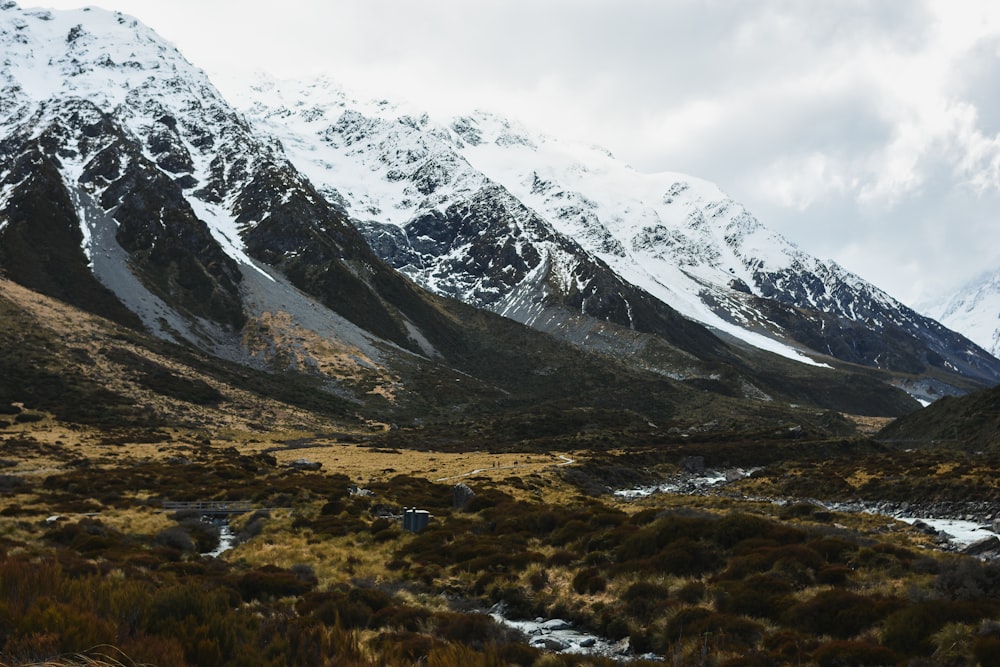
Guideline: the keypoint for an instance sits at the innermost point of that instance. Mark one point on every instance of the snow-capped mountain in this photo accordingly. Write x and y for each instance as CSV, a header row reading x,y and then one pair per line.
x,y
131,188
546,232
974,311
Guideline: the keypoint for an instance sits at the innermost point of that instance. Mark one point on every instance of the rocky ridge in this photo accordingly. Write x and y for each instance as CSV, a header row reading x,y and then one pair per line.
x,y
482,209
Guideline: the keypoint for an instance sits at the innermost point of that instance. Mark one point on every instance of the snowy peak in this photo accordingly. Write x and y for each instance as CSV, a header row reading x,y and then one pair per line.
x,y
164,200
975,311
103,56
481,208
129,186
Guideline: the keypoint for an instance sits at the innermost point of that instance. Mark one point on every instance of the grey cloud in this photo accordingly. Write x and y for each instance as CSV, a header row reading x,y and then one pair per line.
x,y
978,81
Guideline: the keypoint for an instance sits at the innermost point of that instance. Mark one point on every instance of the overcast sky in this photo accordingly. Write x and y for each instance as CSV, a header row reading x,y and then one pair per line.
x,y
864,132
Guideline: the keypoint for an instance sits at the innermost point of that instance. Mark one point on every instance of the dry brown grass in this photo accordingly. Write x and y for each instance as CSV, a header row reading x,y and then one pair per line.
x,y
868,425
334,560
365,463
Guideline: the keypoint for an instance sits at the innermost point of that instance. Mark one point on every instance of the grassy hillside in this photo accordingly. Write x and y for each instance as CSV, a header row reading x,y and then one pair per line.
x,y
970,422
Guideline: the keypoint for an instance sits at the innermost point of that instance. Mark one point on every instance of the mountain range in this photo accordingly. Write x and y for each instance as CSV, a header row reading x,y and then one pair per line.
x,y
406,268
974,310
419,189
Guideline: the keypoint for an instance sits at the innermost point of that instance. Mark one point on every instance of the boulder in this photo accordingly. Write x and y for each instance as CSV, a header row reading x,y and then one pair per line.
x,y
984,547
556,624
693,464
461,495
305,464
549,643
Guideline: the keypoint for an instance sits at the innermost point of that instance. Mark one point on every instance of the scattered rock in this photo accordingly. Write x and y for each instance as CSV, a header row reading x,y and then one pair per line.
x,y
556,624
693,464
305,464
461,495
987,546
549,643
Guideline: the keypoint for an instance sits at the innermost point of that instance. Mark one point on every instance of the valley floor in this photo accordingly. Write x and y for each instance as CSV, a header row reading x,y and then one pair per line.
x,y
320,570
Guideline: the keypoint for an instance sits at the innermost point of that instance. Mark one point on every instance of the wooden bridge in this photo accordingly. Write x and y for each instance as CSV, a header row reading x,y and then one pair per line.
x,y
208,506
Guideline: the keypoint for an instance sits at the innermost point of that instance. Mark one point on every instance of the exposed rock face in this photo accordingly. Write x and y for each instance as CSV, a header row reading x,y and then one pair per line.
x,y
461,495
988,547
129,187
551,234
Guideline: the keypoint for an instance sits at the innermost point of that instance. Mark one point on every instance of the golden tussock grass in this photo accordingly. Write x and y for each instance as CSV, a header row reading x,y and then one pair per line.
x,y
334,559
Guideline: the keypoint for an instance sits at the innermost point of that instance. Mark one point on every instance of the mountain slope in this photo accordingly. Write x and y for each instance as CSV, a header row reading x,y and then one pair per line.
x,y
131,189
975,311
971,422
484,210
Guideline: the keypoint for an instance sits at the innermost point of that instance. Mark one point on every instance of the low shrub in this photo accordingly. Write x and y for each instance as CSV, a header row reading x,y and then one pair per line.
x,y
589,581
761,596
472,629
987,650
968,579
271,582
644,600
908,631
692,592
408,647
854,654
841,614
738,526
399,618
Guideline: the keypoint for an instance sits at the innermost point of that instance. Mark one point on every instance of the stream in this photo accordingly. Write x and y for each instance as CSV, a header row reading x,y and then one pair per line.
x,y
227,538
951,533
559,636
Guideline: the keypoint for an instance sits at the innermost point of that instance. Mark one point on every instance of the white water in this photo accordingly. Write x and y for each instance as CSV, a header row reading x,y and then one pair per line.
x,y
226,541
960,533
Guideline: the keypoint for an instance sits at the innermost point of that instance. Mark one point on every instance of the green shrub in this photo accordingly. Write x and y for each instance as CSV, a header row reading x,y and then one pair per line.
x,y
987,650
589,581
834,549
789,646
908,631
270,581
839,613
406,647
683,625
176,537
351,608
833,575
574,530
738,526
854,654
761,596
755,659
644,600
968,579
692,592
668,528
472,629
395,617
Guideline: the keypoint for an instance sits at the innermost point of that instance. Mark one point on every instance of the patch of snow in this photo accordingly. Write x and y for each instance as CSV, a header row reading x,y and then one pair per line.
x,y
226,233
697,240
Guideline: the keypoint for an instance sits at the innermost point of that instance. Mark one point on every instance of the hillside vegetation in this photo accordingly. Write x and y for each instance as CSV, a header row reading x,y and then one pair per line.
x,y
93,567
